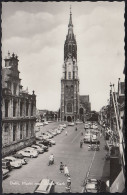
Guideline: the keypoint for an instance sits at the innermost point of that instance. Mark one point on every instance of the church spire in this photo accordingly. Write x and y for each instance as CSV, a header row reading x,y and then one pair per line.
x,y
70,21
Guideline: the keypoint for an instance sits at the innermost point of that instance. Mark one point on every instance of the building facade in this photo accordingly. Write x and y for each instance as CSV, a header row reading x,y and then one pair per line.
x,y
70,80
18,109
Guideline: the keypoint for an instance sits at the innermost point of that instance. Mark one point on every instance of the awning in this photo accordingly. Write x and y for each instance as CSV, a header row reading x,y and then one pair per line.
x,y
119,183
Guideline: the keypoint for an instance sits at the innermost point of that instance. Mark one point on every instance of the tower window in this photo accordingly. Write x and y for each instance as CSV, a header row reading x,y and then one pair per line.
x,y
69,75
69,107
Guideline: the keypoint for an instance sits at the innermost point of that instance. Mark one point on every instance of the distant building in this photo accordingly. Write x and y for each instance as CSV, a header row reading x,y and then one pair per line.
x,y
18,109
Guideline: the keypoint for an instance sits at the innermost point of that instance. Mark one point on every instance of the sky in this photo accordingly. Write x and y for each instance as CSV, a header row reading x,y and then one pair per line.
x,y
36,32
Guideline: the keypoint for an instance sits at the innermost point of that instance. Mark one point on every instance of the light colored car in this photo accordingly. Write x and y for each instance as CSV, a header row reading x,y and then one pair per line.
x,y
28,153
71,124
39,149
58,131
45,186
15,163
31,149
5,173
45,123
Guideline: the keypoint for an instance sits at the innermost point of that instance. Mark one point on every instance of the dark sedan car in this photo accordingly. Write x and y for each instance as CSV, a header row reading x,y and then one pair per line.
x,y
45,142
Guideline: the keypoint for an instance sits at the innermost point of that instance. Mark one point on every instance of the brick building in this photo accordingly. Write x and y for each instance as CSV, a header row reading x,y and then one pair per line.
x,y
18,109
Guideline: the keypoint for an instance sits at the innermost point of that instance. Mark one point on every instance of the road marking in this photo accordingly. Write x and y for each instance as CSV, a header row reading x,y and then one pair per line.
x,y
75,137
89,169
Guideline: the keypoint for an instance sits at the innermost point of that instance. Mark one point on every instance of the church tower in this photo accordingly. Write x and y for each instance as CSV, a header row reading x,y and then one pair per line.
x,y
70,80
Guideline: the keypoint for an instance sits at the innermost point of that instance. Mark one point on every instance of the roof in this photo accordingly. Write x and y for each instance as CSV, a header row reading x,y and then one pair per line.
x,y
44,186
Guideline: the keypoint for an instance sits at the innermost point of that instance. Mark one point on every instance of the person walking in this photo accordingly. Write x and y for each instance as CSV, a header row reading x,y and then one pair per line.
x,y
66,133
61,167
81,143
68,186
66,171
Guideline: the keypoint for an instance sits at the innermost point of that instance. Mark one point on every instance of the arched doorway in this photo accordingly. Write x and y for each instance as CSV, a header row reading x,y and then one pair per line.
x,y
69,119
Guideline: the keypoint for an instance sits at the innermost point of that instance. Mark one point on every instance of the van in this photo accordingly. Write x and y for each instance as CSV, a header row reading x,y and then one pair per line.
x,y
45,186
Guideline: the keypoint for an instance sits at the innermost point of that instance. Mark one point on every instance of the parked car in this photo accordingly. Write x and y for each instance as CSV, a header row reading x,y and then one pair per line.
x,y
45,186
92,185
28,153
21,157
45,142
45,148
71,124
45,123
39,149
51,141
6,164
5,173
50,132
15,163
31,149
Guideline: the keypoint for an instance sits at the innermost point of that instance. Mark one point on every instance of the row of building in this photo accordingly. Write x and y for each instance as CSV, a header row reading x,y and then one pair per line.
x,y
18,109
112,117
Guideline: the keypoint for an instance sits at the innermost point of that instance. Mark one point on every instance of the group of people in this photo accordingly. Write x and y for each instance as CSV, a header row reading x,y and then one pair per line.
x,y
64,169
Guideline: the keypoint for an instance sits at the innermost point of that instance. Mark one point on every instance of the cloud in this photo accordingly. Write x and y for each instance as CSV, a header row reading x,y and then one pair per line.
x,y
38,39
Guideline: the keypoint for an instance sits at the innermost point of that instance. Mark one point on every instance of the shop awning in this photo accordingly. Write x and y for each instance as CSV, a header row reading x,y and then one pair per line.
x,y
119,183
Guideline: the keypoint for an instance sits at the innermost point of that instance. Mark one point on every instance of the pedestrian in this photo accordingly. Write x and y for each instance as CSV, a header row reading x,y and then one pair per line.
x,y
66,133
61,167
81,143
66,171
68,186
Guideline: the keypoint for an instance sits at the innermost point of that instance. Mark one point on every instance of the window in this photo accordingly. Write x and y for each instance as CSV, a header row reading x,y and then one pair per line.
x,y
27,130
21,131
32,109
14,132
6,108
14,88
27,106
69,75
32,129
69,107
6,131
21,107
14,108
